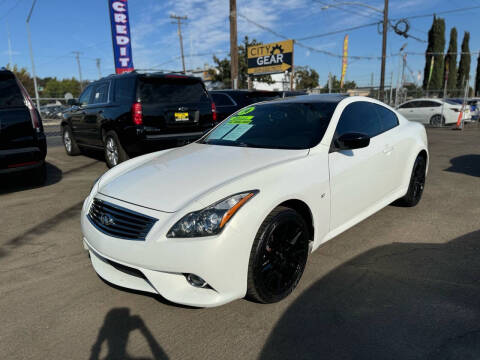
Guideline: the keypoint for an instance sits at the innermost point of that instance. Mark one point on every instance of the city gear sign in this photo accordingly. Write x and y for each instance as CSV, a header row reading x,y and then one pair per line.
x,y
270,58
122,48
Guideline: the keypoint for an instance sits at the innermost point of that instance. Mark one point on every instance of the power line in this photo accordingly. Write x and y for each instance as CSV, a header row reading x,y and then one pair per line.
x,y
349,10
440,12
339,31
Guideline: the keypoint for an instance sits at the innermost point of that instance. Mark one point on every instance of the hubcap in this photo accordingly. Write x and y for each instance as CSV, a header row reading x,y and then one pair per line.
x,y
283,257
112,151
67,141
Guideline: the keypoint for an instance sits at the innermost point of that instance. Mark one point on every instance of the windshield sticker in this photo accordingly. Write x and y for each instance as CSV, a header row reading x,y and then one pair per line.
x,y
241,119
237,132
221,131
246,110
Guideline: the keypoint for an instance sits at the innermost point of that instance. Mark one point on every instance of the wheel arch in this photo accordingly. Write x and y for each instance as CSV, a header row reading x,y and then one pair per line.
x,y
305,212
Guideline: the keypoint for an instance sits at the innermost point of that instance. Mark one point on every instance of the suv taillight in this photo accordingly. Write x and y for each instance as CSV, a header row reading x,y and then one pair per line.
x,y
214,112
137,115
30,106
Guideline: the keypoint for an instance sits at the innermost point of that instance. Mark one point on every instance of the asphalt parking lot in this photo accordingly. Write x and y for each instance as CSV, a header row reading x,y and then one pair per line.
x,y
404,284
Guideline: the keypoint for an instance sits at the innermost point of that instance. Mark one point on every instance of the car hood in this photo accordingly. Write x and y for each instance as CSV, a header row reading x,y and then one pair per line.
x,y
175,178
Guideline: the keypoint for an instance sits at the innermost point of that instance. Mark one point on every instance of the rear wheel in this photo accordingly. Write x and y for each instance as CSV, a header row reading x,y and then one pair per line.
x,y
417,183
437,120
69,141
278,256
114,151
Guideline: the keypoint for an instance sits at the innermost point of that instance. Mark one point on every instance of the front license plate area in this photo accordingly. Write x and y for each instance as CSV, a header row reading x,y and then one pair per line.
x,y
181,116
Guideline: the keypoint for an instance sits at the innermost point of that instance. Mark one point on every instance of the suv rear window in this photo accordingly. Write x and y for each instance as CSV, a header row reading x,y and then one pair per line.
x,y
10,94
174,90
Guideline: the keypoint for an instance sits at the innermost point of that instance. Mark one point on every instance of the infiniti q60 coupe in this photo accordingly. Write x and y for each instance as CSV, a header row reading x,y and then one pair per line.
x,y
238,212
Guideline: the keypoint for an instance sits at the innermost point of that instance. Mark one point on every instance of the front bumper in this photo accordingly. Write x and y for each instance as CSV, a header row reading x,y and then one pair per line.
x,y
158,264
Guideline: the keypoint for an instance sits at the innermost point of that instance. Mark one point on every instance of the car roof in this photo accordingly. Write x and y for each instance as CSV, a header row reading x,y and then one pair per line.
x,y
331,98
149,75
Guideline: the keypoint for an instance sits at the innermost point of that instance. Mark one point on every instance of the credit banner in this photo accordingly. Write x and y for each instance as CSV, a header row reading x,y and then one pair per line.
x,y
122,49
270,58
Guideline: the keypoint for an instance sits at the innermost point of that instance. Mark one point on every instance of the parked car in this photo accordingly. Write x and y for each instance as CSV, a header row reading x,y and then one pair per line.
x,y
237,212
229,101
131,114
289,93
436,112
23,146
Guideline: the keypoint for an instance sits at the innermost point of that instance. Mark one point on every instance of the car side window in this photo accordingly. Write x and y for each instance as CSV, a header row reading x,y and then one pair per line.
x,y
388,119
84,99
359,117
221,99
405,106
100,93
431,104
124,89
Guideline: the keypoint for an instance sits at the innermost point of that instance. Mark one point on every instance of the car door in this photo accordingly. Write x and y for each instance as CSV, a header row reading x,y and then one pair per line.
x,y
94,113
357,177
78,113
429,108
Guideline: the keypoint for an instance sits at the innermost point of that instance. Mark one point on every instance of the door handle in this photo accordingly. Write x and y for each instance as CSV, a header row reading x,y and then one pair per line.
x,y
388,149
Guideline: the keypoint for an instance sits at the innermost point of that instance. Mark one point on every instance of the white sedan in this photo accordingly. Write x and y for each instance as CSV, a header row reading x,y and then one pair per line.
x,y
238,212
435,112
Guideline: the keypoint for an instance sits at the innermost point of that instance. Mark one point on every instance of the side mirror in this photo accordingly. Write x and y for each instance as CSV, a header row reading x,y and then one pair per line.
x,y
352,141
73,102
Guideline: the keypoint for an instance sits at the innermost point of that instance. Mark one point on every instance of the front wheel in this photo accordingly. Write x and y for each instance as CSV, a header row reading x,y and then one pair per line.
x,y
278,256
417,183
114,151
69,142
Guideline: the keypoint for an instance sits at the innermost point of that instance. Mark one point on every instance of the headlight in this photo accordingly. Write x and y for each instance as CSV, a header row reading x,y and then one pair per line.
x,y
212,219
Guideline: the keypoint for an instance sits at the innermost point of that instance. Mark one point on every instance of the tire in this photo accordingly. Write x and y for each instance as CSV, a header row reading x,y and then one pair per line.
x,y
278,256
437,120
417,183
69,142
114,151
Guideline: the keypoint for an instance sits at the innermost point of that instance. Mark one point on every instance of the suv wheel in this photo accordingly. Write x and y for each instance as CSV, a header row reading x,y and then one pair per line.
x,y
114,151
69,142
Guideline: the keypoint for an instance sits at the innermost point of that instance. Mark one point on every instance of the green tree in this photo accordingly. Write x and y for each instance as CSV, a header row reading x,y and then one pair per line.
x,y
464,65
223,74
435,49
451,62
305,78
24,76
347,85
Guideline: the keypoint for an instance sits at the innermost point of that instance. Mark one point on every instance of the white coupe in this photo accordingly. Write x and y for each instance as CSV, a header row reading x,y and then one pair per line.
x,y
236,213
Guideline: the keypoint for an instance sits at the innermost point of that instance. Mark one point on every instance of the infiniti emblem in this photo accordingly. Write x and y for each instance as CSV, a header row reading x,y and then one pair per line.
x,y
107,219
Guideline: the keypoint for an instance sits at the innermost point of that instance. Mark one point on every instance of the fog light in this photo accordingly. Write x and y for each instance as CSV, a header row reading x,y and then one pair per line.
x,y
196,281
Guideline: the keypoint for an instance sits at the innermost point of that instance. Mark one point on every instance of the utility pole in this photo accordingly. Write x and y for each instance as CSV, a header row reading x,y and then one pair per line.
x,y
10,57
31,55
391,88
384,50
233,44
178,20
77,56
97,61
329,83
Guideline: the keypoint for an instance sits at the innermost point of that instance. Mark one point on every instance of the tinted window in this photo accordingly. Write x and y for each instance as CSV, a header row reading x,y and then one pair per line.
x,y
405,106
100,93
174,90
416,104
254,96
388,119
359,117
85,97
124,89
221,99
275,126
430,104
10,94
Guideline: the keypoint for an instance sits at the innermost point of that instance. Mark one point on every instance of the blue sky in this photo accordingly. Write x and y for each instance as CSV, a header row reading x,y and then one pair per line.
x,y
62,26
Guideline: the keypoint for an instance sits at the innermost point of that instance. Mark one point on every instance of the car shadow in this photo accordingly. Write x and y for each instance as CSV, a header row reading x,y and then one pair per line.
x,y
21,181
398,301
466,164
115,331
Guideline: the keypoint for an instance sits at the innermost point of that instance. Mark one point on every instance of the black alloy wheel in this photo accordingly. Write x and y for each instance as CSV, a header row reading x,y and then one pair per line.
x,y
417,183
278,257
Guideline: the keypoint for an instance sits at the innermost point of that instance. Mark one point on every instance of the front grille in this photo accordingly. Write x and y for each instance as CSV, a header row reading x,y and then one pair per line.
x,y
119,222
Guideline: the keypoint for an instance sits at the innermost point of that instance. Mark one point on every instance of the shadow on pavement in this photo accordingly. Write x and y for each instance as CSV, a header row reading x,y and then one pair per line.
x,y
466,164
116,328
398,301
23,180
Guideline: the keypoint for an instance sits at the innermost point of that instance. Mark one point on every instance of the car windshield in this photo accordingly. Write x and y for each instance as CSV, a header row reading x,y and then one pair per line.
x,y
285,125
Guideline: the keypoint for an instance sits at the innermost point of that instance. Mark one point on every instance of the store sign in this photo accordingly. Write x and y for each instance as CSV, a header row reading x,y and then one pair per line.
x,y
270,58
122,49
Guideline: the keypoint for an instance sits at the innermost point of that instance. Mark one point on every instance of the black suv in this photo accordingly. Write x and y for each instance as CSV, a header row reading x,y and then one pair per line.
x,y
229,101
135,113
23,146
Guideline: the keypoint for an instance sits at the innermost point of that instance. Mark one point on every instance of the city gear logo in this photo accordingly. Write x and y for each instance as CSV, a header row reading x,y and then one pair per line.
x,y
107,219
270,58
122,48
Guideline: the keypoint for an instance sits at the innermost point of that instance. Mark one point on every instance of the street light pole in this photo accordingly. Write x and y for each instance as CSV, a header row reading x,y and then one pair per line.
x,y
384,51
31,55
